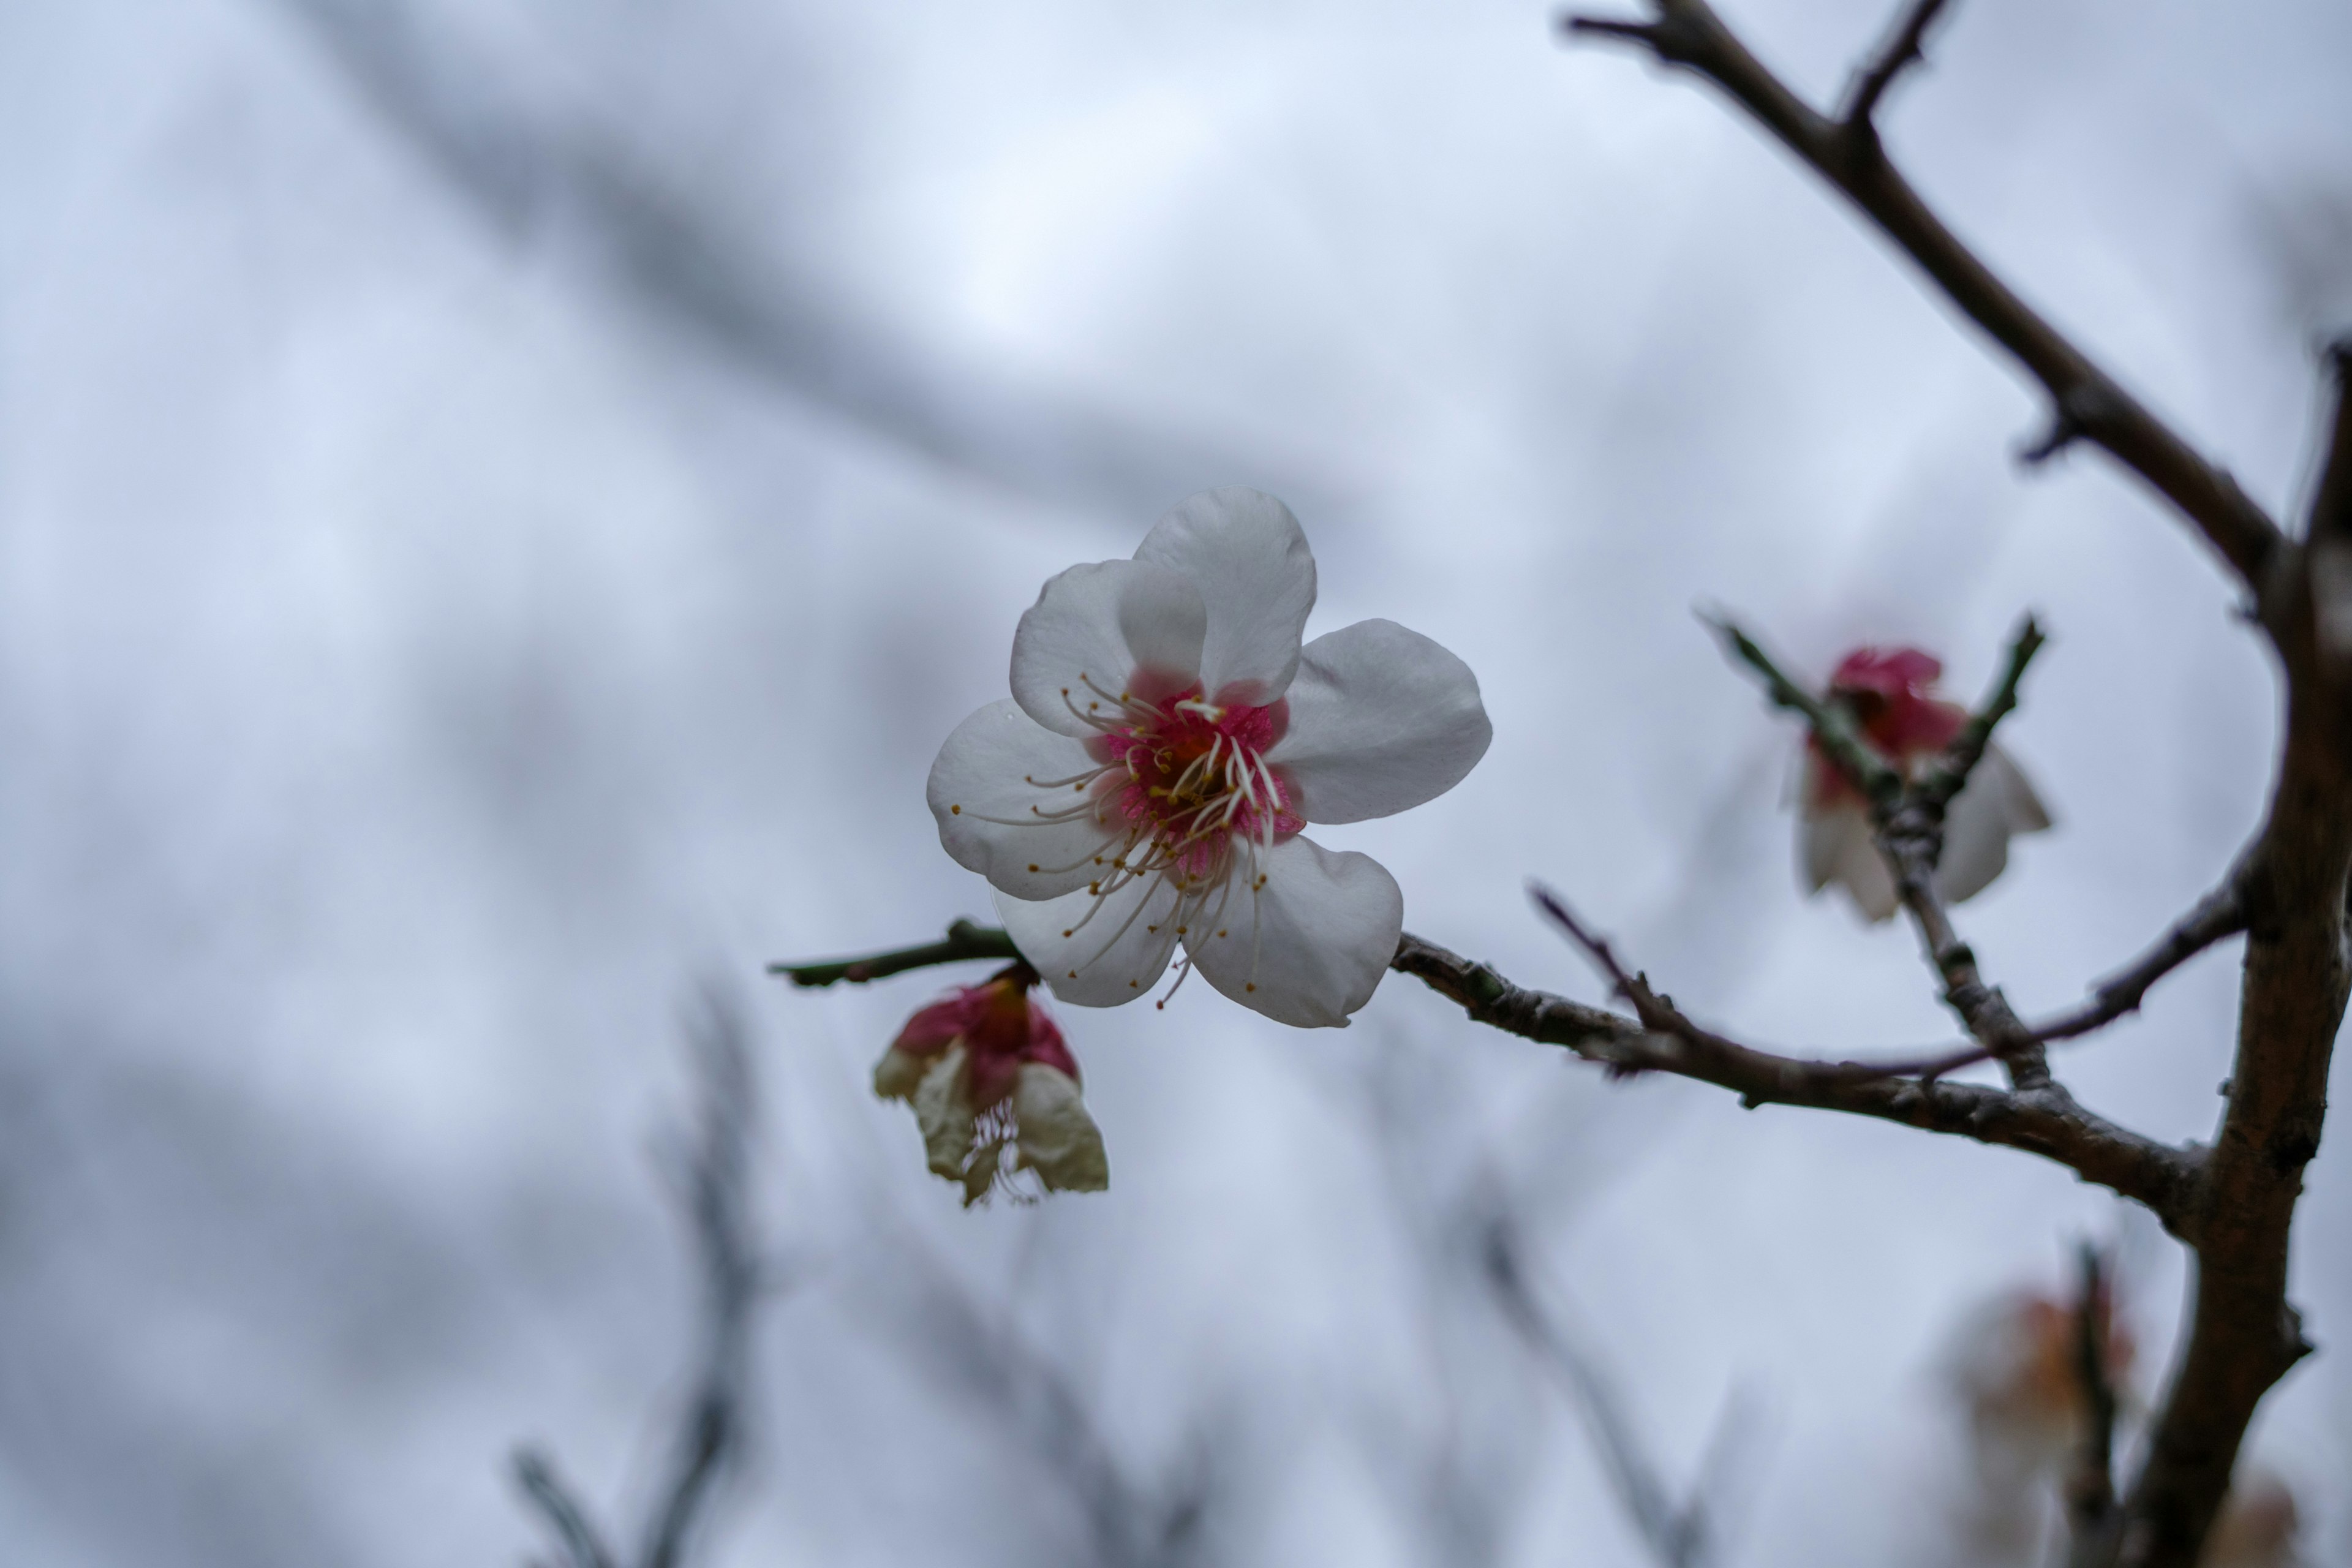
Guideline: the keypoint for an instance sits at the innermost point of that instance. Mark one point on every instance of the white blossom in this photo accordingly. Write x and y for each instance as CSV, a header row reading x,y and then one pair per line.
x,y
1891,693
1167,739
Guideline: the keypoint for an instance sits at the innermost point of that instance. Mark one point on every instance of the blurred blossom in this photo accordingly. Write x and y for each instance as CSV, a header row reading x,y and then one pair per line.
x,y
1167,739
2258,1528
1891,693
995,1091
2016,1370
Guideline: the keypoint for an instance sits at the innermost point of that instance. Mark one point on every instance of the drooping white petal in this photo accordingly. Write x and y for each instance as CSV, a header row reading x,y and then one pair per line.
x,y
943,1112
1093,629
995,818
900,1074
1381,719
1835,846
1058,1140
1996,803
1308,947
1248,556
1096,952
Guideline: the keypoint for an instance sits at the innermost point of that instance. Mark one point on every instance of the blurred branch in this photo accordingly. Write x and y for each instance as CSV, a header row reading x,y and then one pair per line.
x,y
2087,404
1948,774
716,1187
584,1547
965,940
1128,1525
1900,51
1832,725
2091,1487
695,270
713,1173
1677,1535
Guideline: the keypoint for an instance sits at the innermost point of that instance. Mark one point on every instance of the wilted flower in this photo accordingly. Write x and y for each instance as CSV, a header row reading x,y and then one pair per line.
x,y
2259,1526
2016,1366
1167,739
1891,693
994,1089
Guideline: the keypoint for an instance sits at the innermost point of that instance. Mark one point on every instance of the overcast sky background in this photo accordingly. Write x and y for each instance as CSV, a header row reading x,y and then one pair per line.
x,y
499,503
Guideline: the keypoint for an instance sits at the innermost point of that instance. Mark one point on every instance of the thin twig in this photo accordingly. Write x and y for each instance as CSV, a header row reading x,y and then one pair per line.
x,y
534,1472
1948,774
717,1192
1832,723
1678,1536
1900,51
714,1175
965,940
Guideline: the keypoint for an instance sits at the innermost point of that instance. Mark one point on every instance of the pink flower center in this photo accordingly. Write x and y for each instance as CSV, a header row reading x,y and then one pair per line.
x,y
1191,777
1182,791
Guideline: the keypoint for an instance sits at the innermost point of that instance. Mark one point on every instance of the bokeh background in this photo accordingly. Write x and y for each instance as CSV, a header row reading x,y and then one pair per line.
x,y
499,502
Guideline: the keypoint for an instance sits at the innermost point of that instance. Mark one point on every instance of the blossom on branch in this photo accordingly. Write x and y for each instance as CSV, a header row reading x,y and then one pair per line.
x,y
995,1091
1168,738
1890,692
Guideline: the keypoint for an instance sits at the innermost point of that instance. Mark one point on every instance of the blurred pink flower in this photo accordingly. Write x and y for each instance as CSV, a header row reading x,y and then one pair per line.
x,y
1167,739
994,1089
1891,693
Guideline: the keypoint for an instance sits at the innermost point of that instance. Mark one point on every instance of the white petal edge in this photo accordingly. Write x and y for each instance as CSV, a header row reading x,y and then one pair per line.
x,y
900,1074
943,1112
1111,954
1058,1140
1381,719
1309,947
1094,631
1834,846
988,810
1996,803
1248,556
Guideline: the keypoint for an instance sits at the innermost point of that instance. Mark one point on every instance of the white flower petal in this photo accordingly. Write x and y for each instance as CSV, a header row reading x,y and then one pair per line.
x,y
1115,948
989,810
1996,803
1058,1140
1835,846
900,1074
1381,719
1094,631
943,1112
1309,946
1249,558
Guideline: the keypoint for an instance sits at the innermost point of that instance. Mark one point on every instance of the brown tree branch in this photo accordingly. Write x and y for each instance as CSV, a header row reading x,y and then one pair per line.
x,y
2045,1121
2088,403
2329,538
965,940
2243,1335
1900,51
2218,915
